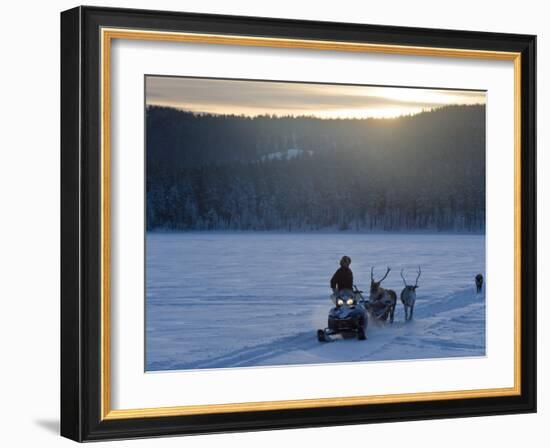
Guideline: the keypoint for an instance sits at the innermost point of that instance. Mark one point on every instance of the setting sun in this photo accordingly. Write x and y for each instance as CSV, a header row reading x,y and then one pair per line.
x,y
253,98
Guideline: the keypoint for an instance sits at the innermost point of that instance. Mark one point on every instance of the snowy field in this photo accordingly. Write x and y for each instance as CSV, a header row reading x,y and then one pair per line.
x,y
218,300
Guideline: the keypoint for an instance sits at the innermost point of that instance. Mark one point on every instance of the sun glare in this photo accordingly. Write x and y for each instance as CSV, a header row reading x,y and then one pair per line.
x,y
254,98
380,112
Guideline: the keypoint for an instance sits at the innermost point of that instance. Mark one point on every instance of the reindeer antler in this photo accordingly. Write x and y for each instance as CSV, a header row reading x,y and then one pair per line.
x,y
385,275
404,281
372,273
418,276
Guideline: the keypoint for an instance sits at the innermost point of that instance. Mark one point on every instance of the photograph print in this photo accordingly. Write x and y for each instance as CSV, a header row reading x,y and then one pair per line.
x,y
292,223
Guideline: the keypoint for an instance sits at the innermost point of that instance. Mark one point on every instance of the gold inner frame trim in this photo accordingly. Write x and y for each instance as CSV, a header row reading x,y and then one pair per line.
x,y
107,35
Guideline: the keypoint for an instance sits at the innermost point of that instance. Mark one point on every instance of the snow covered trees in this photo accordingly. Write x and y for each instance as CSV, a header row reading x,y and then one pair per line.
x,y
422,172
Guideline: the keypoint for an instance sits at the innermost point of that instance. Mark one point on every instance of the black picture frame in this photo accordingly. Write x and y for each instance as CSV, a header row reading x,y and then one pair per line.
x,y
81,381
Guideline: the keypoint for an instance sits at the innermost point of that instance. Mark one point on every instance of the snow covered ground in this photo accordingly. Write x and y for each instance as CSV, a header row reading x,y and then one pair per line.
x,y
218,300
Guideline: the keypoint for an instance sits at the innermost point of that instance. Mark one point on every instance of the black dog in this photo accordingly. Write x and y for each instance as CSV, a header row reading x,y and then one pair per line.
x,y
479,282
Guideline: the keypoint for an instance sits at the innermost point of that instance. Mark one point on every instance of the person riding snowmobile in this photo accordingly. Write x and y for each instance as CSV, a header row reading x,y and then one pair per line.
x,y
342,280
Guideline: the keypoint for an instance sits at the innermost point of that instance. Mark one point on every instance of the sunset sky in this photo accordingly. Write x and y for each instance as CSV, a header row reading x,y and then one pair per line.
x,y
220,96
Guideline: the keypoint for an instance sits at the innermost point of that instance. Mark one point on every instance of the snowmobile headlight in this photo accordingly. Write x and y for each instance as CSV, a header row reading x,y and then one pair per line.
x,y
350,302
339,302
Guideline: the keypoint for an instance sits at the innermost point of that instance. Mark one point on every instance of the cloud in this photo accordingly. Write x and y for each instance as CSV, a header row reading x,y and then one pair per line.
x,y
289,98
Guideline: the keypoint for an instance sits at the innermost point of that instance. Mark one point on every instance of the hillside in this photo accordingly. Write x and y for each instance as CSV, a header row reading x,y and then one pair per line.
x,y
217,172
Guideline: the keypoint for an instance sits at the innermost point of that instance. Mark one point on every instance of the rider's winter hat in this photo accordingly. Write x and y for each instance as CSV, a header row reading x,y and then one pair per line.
x,y
345,261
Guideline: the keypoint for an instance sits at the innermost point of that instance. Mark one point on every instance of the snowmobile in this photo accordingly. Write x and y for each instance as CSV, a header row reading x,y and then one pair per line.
x,y
348,317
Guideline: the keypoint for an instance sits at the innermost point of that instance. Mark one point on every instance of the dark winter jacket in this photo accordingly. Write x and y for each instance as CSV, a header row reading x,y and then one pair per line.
x,y
342,279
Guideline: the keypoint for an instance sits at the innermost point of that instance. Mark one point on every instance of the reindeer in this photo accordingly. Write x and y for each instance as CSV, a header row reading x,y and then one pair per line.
x,y
408,295
381,299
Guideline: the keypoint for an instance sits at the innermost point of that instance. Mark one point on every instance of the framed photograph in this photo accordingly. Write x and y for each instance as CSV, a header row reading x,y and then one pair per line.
x,y
273,223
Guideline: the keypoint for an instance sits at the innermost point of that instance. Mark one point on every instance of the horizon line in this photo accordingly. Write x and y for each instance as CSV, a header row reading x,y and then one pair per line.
x,y
312,116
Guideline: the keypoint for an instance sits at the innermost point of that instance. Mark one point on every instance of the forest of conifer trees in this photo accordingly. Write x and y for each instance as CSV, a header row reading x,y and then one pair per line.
x,y
424,172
